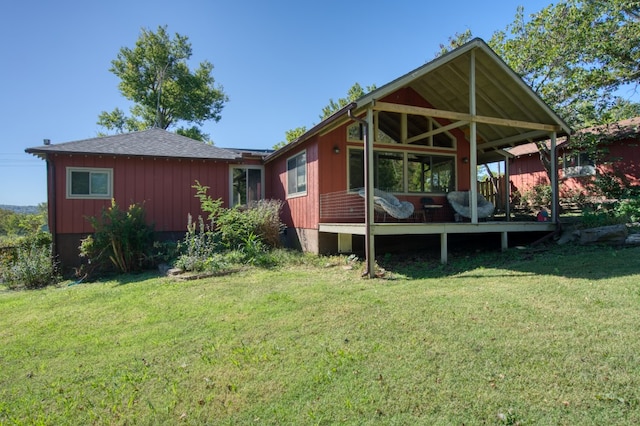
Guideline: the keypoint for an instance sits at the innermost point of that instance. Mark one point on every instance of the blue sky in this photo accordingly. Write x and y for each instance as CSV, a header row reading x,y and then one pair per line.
x,y
279,61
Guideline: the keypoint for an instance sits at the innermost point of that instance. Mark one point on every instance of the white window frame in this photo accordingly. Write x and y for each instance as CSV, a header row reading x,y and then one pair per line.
x,y
579,170
297,193
245,168
405,157
107,196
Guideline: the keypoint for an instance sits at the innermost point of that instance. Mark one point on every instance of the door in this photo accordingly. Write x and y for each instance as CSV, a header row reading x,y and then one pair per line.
x,y
247,185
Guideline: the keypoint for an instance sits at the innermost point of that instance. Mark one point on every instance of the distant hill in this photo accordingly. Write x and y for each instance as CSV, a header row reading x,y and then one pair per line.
x,y
20,209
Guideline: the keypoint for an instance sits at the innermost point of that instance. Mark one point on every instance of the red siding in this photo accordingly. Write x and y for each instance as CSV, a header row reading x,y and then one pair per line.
x,y
163,186
623,158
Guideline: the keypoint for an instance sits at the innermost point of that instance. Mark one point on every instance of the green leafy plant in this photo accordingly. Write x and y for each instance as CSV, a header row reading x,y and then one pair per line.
x,y
629,209
29,264
199,244
237,235
538,195
122,239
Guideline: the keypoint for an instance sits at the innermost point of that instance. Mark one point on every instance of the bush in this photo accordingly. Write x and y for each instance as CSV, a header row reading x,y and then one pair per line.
x,y
539,195
121,239
608,185
237,235
29,264
628,209
199,244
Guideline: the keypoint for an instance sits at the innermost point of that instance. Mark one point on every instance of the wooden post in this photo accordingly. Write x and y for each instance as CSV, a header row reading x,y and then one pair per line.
x,y
473,155
554,180
368,174
443,248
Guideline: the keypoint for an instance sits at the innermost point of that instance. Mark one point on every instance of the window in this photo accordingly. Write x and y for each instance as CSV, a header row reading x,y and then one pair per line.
x,y
400,128
578,164
85,182
430,173
297,175
424,173
355,132
246,185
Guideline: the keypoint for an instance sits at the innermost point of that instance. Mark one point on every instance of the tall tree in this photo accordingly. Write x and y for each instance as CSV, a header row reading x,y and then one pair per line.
x,y
575,54
353,94
290,136
154,75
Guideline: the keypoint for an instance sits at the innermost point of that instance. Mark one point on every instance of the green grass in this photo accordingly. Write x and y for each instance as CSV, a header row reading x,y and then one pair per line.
x,y
524,337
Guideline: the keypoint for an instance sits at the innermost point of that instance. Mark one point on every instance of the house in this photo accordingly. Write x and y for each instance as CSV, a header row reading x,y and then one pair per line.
x,y
152,167
417,138
620,156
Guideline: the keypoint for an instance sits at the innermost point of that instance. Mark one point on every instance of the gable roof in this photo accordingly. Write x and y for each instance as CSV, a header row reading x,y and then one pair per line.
x,y
500,95
153,142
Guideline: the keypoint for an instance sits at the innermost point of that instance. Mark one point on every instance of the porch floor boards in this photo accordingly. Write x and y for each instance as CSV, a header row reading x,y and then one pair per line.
x,y
413,228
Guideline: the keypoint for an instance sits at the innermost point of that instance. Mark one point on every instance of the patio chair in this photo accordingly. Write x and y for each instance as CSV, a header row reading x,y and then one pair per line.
x,y
459,200
390,204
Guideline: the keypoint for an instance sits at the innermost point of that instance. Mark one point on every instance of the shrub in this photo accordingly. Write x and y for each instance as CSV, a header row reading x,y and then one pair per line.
x,y
238,235
628,209
200,244
121,239
538,195
29,265
608,185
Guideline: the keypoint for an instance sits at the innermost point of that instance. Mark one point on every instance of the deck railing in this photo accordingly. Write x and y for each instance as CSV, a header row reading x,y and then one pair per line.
x,y
341,206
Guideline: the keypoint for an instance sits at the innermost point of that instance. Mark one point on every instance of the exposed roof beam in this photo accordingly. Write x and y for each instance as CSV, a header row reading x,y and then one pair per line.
x,y
513,139
437,131
452,115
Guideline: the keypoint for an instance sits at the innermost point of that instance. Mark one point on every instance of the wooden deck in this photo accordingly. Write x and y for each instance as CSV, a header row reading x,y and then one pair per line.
x,y
344,230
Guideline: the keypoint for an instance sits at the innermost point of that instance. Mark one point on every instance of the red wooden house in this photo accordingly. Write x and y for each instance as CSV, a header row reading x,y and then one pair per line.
x,y
620,145
153,167
417,138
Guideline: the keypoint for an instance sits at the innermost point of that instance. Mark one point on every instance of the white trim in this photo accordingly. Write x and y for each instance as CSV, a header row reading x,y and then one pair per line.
x,y
245,167
71,196
405,155
306,175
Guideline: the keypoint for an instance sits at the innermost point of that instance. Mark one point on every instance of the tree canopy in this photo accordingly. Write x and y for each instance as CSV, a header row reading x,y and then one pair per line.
x,y
576,55
354,93
155,76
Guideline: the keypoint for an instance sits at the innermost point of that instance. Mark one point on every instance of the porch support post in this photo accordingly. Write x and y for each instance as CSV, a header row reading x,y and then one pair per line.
x,y
504,240
507,189
443,248
369,208
554,180
473,155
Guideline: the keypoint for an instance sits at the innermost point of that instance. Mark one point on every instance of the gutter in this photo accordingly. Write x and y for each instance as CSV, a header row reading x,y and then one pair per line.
x,y
51,206
368,196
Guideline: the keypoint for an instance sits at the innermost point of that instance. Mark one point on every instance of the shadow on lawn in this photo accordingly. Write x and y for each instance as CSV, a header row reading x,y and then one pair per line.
x,y
592,262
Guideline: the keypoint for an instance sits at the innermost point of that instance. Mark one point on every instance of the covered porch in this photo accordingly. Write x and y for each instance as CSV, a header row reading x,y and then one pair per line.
x,y
471,91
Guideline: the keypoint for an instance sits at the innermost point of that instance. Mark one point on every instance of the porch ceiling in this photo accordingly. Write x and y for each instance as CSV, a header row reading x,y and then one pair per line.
x,y
508,112
500,94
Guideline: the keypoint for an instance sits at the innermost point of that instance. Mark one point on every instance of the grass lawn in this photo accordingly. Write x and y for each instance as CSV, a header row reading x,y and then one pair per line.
x,y
548,336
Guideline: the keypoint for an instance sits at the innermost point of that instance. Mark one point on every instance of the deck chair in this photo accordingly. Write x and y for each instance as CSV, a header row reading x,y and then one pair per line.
x,y
389,204
459,200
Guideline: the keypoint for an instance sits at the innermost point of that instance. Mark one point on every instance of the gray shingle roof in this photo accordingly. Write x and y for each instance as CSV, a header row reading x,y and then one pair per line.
x,y
147,143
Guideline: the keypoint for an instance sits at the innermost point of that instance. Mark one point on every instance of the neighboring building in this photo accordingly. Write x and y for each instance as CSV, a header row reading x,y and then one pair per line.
x,y
418,137
620,146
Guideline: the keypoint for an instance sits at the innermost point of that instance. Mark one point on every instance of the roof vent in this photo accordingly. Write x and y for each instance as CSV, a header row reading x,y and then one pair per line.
x,y
47,141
